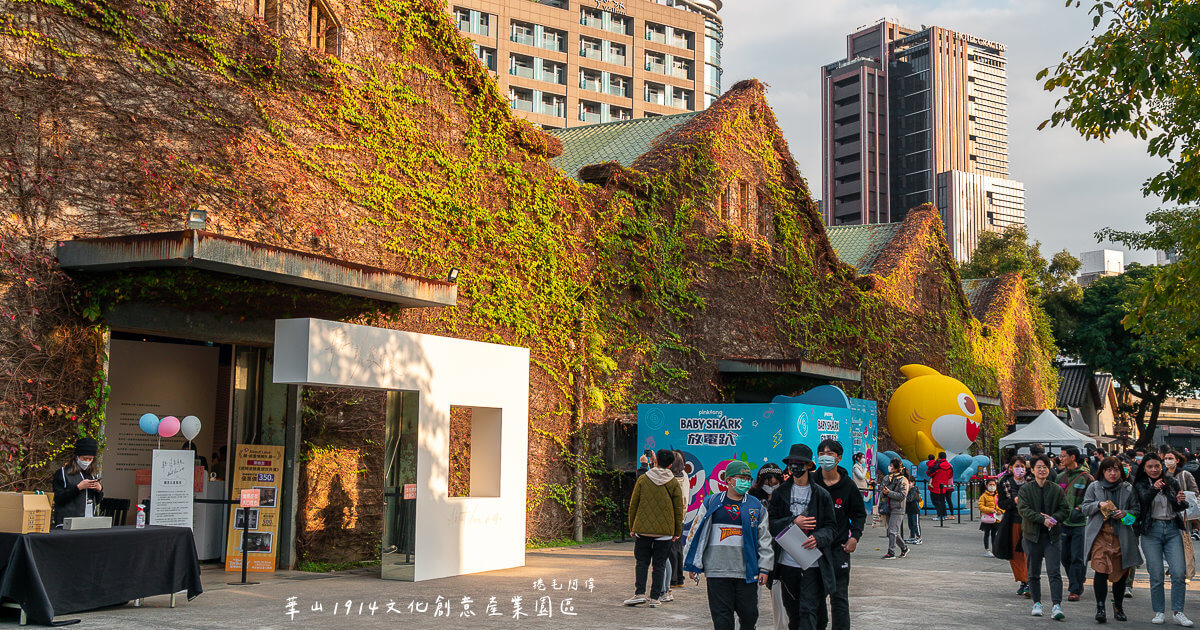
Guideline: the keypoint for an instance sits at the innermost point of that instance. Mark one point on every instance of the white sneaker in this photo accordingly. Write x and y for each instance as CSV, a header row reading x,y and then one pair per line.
x,y
1158,618
1037,610
667,597
641,599
1057,612
1182,620
988,554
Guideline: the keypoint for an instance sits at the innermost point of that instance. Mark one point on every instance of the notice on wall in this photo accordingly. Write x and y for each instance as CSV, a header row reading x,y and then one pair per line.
x,y
255,468
172,478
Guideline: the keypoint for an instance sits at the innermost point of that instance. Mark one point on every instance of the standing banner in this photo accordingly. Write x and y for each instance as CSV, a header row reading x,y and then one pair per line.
x,y
255,468
864,415
172,476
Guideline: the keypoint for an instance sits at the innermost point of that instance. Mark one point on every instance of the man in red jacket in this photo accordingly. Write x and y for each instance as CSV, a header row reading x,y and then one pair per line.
x,y
941,483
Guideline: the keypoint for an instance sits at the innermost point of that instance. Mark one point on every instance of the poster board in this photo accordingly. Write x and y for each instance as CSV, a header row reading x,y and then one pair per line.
x,y
864,420
255,467
172,478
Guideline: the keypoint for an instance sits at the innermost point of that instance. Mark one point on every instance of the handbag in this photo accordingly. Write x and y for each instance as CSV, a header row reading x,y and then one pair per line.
x,y
1193,511
987,518
885,506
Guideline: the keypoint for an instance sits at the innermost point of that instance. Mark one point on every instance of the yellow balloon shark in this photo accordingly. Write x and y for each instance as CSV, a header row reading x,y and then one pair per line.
x,y
932,412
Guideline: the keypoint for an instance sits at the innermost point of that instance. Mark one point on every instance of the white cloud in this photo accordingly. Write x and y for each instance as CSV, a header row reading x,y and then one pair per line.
x,y
1073,188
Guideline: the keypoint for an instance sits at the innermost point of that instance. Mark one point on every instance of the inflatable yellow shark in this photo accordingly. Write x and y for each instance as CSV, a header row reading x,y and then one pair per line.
x,y
932,412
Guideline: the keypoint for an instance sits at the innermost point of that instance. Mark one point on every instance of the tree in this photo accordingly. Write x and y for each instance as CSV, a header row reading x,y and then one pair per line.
x,y
1050,285
1144,363
1140,74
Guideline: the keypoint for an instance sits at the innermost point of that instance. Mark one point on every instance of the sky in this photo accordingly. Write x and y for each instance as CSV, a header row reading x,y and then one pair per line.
x,y
1072,187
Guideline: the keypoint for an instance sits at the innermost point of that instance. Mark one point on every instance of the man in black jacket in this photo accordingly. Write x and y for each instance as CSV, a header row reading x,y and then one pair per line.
x,y
800,502
851,515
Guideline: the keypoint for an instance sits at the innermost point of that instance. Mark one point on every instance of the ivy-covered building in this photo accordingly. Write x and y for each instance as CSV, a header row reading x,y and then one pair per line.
x,y
639,261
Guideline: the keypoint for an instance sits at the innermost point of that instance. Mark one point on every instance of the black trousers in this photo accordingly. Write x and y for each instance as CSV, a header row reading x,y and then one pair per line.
x,y
939,502
839,599
677,562
645,551
803,594
1100,587
729,596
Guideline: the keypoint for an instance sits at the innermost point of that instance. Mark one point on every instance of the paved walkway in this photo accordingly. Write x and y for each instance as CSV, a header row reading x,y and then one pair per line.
x,y
945,583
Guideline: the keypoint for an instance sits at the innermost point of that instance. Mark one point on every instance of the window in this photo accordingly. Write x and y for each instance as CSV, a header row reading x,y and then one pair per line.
x,y
487,56
557,4
554,105
712,49
682,98
656,32
522,33
622,24
616,53
521,98
589,112
324,34
619,85
554,40
521,66
656,93
748,222
656,62
683,39
462,17
554,72
484,25
619,113
681,68
590,80
733,212
590,47
591,17
267,11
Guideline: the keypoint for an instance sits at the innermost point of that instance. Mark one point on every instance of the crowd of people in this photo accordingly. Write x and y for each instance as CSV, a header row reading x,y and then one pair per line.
x,y
1115,511
732,540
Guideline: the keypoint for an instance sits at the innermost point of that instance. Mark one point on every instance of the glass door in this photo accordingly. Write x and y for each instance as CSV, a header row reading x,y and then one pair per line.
x,y
400,487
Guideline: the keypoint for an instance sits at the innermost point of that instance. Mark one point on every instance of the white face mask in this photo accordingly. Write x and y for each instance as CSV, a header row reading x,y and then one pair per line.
x,y
82,464
769,489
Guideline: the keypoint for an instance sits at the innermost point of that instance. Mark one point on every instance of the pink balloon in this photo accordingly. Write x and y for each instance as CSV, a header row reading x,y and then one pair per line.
x,y
168,426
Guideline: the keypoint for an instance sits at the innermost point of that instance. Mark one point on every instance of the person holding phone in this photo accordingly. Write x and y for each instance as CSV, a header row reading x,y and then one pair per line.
x,y
77,488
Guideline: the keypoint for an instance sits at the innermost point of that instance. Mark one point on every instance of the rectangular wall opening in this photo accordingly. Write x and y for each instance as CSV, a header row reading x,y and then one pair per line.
x,y
474,466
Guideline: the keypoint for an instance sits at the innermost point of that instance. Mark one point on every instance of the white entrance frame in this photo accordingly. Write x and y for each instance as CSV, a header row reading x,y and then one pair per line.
x,y
454,535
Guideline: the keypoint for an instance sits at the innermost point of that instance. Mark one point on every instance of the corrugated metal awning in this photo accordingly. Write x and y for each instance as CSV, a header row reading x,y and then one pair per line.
x,y
238,257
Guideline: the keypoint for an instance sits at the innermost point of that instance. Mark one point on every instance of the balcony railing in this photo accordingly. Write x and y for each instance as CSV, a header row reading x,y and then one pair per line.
x,y
657,37
617,59
521,71
618,90
590,53
523,105
522,38
589,117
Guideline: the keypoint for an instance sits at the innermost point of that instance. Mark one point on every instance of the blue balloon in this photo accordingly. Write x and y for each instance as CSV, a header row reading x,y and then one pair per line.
x,y
149,423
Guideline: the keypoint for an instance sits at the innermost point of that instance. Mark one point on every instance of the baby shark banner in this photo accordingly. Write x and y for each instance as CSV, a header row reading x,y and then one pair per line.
x,y
712,436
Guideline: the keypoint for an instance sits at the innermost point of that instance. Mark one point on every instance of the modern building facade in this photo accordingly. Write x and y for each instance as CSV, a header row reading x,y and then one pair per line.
x,y
566,63
972,203
905,107
1101,263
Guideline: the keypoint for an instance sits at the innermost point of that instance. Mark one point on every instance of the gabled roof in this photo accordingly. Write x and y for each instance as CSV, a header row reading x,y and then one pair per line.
x,y
1075,383
979,292
861,245
622,142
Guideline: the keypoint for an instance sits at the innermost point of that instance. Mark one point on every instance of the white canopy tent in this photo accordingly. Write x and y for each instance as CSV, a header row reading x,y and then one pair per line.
x,y
1047,430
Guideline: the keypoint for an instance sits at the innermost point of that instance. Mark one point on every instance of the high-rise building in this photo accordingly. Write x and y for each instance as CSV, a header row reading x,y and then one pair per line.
x,y
907,107
566,63
1101,263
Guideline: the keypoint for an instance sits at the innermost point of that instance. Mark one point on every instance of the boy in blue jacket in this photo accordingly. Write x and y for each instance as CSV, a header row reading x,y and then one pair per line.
x,y
730,542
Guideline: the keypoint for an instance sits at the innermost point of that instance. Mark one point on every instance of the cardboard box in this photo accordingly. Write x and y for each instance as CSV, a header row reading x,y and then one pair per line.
x,y
24,512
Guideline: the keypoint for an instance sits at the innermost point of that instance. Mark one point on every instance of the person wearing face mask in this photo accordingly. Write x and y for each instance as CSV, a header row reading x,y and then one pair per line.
x,y
1008,538
1172,461
912,510
730,543
894,489
1160,501
1043,507
989,517
1109,537
77,488
769,478
801,502
1074,479
851,515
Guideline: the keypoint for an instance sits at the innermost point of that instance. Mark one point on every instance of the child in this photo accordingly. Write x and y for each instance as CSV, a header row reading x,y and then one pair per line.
x,y
989,518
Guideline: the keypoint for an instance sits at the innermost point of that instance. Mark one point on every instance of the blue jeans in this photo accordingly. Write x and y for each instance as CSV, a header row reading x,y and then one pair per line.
x,y
1161,541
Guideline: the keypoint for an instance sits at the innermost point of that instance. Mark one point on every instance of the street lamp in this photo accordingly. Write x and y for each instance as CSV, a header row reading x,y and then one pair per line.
x,y
196,219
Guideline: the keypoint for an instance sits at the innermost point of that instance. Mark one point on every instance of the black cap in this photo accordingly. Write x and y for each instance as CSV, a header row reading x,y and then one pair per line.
x,y
800,454
87,446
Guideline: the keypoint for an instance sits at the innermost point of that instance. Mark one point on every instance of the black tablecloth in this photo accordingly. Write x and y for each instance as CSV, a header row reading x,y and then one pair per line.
x,y
68,571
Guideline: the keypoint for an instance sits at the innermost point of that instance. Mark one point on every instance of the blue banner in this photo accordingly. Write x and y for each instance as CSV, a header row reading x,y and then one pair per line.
x,y
712,436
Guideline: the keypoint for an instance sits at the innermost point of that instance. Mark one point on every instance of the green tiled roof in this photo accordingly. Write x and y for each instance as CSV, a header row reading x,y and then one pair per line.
x,y
860,245
977,287
622,142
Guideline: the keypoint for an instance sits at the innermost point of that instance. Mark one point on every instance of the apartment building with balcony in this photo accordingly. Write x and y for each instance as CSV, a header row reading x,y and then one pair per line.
x,y
566,63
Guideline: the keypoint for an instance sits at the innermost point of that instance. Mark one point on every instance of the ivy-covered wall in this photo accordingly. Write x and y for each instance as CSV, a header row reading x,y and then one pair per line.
x,y
401,153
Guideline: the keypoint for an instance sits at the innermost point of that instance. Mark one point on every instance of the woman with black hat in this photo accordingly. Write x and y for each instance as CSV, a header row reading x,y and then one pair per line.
x,y
76,485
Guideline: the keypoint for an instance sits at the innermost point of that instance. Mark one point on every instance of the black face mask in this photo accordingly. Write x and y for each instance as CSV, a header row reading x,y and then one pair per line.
x,y
798,470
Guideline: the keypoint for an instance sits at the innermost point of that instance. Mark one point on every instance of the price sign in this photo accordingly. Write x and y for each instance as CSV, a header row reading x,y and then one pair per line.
x,y
249,498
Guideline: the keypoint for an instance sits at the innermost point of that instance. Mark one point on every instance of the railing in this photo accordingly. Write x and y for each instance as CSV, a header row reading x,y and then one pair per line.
x,y
522,38
521,72
593,85
554,43
523,105
590,53
617,59
618,90
660,68
655,36
591,117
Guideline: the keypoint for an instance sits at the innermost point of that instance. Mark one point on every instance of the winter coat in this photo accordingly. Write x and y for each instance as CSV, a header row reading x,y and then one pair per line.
x,y
1006,500
848,510
69,500
860,476
656,508
1122,496
1144,491
895,488
758,548
1074,484
987,504
1037,500
941,476
820,507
